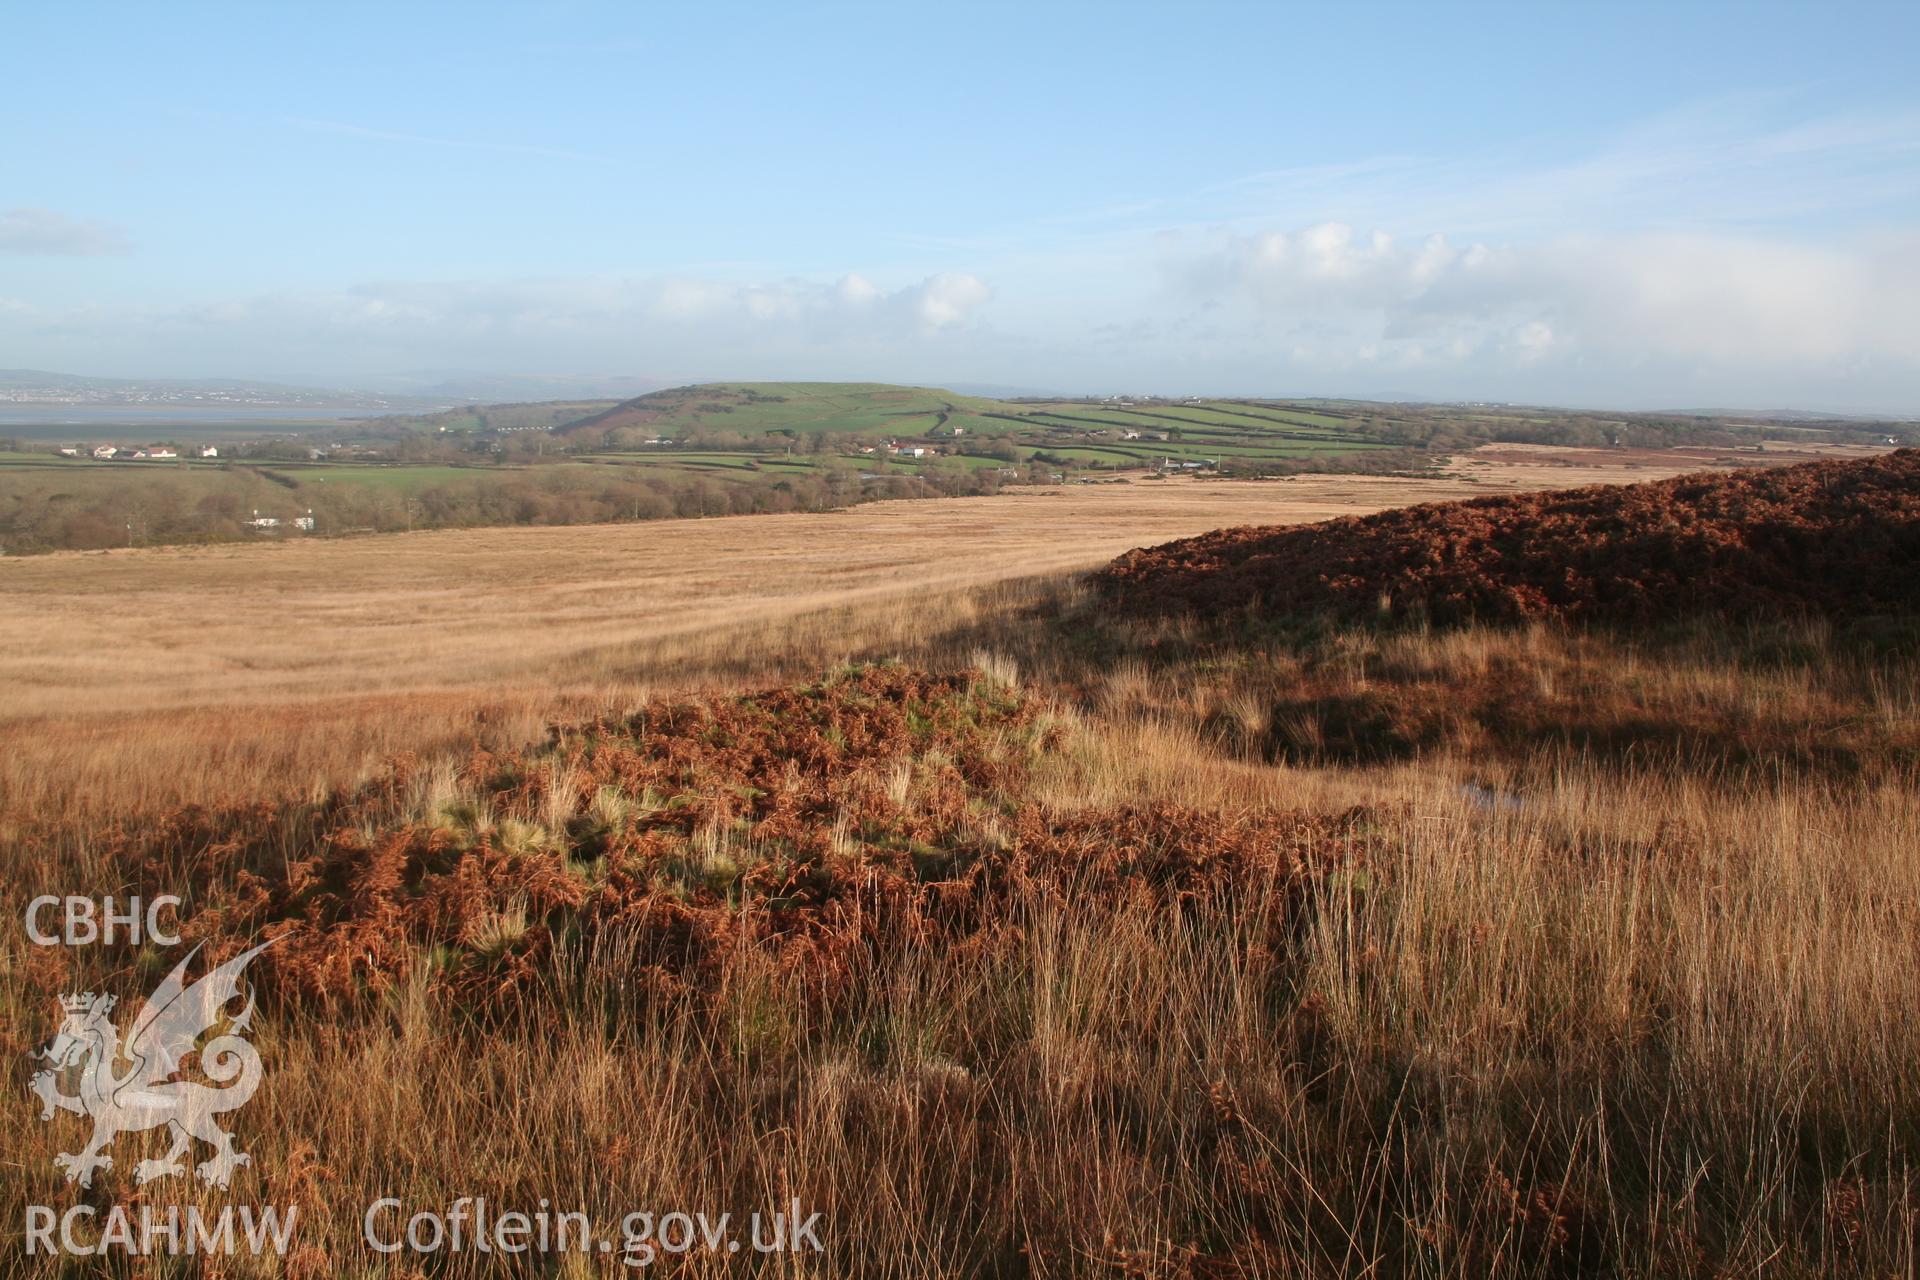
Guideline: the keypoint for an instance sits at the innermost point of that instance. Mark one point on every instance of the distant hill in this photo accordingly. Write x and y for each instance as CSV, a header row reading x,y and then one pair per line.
x,y
502,388
515,415
801,408
42,387
422,390
999,391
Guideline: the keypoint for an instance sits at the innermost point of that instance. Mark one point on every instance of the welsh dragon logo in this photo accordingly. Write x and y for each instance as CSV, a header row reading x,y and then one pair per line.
x,y
85,1078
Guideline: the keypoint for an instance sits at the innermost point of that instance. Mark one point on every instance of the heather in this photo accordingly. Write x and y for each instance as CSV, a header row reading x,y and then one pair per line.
x,y
1828,539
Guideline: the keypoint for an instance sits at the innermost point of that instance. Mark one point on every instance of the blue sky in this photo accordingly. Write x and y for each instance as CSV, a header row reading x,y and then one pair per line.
x,y
1632,205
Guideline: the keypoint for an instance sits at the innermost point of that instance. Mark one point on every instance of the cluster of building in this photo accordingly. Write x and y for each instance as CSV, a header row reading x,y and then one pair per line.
x,y
135,453
907,450
273,524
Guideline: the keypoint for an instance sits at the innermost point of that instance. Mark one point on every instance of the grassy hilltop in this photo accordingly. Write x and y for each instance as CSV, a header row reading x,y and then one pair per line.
x,y
871,409
1113,433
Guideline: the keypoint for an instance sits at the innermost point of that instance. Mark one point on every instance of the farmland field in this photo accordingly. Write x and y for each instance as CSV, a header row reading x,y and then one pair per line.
x,y
758,447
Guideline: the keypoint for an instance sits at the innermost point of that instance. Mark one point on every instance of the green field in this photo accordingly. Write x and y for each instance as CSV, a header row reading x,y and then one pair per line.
x,y
699,450
1164,434
725,424
723,448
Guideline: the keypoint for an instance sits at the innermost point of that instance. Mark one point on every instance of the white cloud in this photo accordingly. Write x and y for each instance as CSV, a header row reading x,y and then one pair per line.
x,y
1708,303
44,232
679,322
948,299
1717,255
590,307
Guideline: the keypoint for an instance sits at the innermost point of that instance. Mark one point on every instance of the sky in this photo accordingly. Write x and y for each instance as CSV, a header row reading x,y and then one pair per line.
x,y
1659,206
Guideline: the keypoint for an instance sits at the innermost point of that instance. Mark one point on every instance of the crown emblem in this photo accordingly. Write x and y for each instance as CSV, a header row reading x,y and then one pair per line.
x,y
148,1093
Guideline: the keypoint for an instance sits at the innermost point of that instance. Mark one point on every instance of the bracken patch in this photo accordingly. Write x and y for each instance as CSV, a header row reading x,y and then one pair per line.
x,y
1836,539
826,825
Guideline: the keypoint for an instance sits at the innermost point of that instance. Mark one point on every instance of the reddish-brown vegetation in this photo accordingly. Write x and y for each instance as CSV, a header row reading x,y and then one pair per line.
x,y
1004,985
825,824
1839,539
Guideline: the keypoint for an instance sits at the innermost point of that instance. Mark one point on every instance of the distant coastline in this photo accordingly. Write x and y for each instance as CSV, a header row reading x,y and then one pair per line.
x,y
50,421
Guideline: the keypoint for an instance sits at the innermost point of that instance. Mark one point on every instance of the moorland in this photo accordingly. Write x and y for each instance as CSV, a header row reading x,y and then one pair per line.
x,y
892,860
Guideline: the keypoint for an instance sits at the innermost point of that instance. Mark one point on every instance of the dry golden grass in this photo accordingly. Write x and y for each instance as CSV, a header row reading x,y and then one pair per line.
x,y
156,677
1577,1012
139,679
165,628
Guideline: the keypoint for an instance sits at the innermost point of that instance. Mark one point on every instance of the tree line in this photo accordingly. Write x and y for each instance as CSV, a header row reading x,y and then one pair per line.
x,y
40,513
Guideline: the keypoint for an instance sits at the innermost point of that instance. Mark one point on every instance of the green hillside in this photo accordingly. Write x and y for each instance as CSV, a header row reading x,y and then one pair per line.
x,y
739,447
866,409
793,417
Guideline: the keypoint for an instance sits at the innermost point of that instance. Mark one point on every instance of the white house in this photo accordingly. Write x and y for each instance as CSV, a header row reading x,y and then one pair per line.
x,y
161,452
69,451
264,522
104,451
209,451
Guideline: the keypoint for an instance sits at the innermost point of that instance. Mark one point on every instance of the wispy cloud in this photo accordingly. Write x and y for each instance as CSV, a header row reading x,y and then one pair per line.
x,y
426,140
1727,254
787,326
1654,315
1732,164
45,233
1727,164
